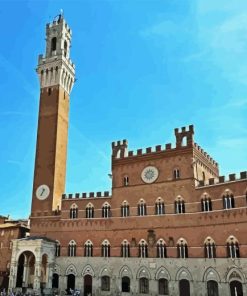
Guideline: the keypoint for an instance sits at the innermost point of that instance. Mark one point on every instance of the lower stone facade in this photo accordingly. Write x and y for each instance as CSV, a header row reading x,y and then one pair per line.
x,y
197,271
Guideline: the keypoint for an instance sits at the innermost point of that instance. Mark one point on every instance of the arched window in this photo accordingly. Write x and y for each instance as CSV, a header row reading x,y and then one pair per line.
x,y
142,208
125,249
105,249
212,288
126,181
90,211
57,248
236,288
182,248
65,48
228,200
126,284
163,287
232,247
176,174
72,249
125,210
143,285
106,210
209,248
55,281
105,283
206,203
179,205
88,249
161,249
74,212
53,44
143,249
159,207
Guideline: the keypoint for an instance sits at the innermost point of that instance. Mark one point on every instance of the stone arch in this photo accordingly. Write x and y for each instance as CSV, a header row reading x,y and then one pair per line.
x,y
209,240
106,204
159,199
125,203
143,272
57,269
105,271
234,274
88,270
125,271
183,274
162,273
227,191
211,274
179,198
204,195
232,239
71,269
141,201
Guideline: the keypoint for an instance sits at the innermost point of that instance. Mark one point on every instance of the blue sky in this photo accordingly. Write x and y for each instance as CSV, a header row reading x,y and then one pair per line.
x,y
143,68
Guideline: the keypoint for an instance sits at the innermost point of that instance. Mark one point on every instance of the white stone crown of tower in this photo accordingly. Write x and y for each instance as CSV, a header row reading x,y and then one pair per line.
x,y
56,68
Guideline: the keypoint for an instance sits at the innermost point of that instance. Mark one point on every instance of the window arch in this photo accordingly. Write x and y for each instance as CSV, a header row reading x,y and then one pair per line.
x,y
125,249
179,205
143,249
72,249
65,48
206,203
142,208
105,249
57,248
53,44
232,247
209,248
106,210
125,181
73,211
176,173
228,200
88,249
90,211
159,206
182,248
125,209
161,249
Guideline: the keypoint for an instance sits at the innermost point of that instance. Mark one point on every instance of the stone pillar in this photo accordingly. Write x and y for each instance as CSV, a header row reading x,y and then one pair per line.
x,y
25,274
13,275
49,274
37,275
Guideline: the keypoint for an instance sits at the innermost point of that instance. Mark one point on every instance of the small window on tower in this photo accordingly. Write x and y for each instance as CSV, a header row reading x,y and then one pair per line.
x,y
49,91
126,181
176,174
65,48
53,44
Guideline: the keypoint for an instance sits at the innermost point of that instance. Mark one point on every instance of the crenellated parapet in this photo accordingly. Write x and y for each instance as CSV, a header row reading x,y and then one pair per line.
x,y
98,194
223,179
184,136
205,155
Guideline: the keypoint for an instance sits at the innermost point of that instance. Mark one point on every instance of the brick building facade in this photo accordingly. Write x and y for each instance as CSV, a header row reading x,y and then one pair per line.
x,y
9,230
170,226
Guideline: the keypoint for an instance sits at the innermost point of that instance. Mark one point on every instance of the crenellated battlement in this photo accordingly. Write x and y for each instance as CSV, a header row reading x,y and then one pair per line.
x,y
184,139
206,155
98,194
223,179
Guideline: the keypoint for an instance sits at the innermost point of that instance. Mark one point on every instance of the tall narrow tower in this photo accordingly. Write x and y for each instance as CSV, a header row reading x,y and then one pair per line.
x,y
56,75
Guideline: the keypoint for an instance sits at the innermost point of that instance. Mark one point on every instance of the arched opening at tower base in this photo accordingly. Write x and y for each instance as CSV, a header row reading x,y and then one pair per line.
x,y
236,288
88,280
25,270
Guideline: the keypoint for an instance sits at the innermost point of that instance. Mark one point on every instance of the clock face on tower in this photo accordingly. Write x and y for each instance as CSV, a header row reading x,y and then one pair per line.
x,y
150,174
42,192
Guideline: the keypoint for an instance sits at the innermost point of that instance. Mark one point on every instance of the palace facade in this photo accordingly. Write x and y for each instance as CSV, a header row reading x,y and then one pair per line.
x,y
171,225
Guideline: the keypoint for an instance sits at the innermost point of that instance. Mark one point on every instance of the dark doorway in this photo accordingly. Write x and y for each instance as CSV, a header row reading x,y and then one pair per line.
x,y
236,288
184,288
70,283
20,270
88,285
212,287
126,284
55,281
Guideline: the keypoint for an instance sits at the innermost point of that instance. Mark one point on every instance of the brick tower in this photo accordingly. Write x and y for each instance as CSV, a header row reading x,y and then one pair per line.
x,y
56,75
